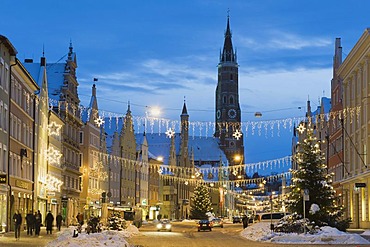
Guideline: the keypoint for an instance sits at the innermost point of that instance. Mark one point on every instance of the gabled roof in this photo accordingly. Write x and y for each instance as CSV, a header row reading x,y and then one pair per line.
x,y
9,45
204,149
55,77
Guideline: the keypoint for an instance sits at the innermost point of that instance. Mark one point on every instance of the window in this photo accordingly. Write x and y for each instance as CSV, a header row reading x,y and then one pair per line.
x,y
2,79
5,117
1,115
25,134
2,164
19,129
231,99
81,137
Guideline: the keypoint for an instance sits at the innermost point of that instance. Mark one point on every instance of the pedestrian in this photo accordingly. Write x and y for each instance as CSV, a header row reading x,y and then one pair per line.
x,y
30,223
38,220
17,217
245,221
59,221
80,219
49,222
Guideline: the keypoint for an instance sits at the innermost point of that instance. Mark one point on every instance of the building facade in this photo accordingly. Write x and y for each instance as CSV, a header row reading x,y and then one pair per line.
x,y
7,58
22,144
48,179
95,167
354,73
335,142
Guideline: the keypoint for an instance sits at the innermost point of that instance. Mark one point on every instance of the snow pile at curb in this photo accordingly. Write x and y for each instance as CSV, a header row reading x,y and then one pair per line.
x,y
105,238
328,235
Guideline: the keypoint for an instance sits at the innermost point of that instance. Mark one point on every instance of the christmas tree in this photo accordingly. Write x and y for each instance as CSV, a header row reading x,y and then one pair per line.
x,y
311,176
201,202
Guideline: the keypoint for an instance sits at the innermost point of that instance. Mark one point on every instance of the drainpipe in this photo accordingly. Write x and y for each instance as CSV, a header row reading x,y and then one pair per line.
x,y
8,177
34,147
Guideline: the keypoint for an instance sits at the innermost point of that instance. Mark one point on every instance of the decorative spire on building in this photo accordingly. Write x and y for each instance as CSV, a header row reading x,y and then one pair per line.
x,y
228,54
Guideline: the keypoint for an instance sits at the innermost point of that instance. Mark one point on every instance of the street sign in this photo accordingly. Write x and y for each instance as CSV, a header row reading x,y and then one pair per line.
x,y
306,195
360,185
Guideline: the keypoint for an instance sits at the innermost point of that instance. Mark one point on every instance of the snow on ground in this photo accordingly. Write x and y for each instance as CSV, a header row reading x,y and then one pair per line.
x,y
106,238
328,235
366,233
259,232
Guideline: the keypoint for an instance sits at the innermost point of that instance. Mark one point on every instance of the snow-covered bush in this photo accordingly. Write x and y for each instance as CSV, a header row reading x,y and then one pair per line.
x,y
295,223
115,222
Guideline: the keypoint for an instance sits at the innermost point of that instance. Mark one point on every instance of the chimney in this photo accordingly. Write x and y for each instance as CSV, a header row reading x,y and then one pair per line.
x,y
43,61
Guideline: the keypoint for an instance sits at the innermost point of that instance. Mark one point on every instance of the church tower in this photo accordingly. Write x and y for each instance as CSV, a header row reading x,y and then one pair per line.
x,y
228,113
184,152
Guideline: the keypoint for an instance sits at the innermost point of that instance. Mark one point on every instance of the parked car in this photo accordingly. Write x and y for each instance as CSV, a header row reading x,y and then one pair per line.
x,y
217,222
204,225
164,224
237,219
276,216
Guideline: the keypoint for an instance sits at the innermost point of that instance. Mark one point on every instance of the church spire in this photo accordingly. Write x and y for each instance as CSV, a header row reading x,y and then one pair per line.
x,y
228,54
184,110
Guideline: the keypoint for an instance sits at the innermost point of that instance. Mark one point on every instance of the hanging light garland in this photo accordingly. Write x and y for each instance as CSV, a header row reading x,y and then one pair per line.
x,y
228,183
197,171
203,128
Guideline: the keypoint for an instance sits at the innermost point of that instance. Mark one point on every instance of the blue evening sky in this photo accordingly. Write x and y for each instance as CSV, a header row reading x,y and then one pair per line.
x,y
155,53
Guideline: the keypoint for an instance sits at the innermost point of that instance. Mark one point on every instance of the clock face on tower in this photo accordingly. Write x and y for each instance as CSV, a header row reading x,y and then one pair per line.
x,y
231,113
218,114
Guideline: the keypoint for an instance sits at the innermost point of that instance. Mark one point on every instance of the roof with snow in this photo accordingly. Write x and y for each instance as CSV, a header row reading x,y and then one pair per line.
x,y
206,150
55,75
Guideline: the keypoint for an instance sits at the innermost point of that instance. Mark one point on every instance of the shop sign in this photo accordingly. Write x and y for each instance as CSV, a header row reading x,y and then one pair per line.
x,y
21,184
143,202
360,185
2,178
53,201
51,193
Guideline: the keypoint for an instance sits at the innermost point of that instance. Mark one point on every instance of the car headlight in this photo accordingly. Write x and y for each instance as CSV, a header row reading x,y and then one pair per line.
x,y
168,226
159,225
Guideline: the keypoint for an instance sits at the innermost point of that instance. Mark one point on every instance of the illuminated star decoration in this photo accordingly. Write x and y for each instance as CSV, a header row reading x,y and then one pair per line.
x,y
53,156
237,134
98,171
99,121
301,128
54,128
186,182
170,133
160,171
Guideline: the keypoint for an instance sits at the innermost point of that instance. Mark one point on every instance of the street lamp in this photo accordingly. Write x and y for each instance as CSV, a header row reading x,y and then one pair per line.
x,y
258,114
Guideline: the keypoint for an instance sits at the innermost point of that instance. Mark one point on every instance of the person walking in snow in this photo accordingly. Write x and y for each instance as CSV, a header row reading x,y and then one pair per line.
x,y
17,217
49,222
245,221
59,221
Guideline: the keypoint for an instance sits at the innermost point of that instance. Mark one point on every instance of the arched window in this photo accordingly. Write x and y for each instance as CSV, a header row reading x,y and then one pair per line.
x,y
231,99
